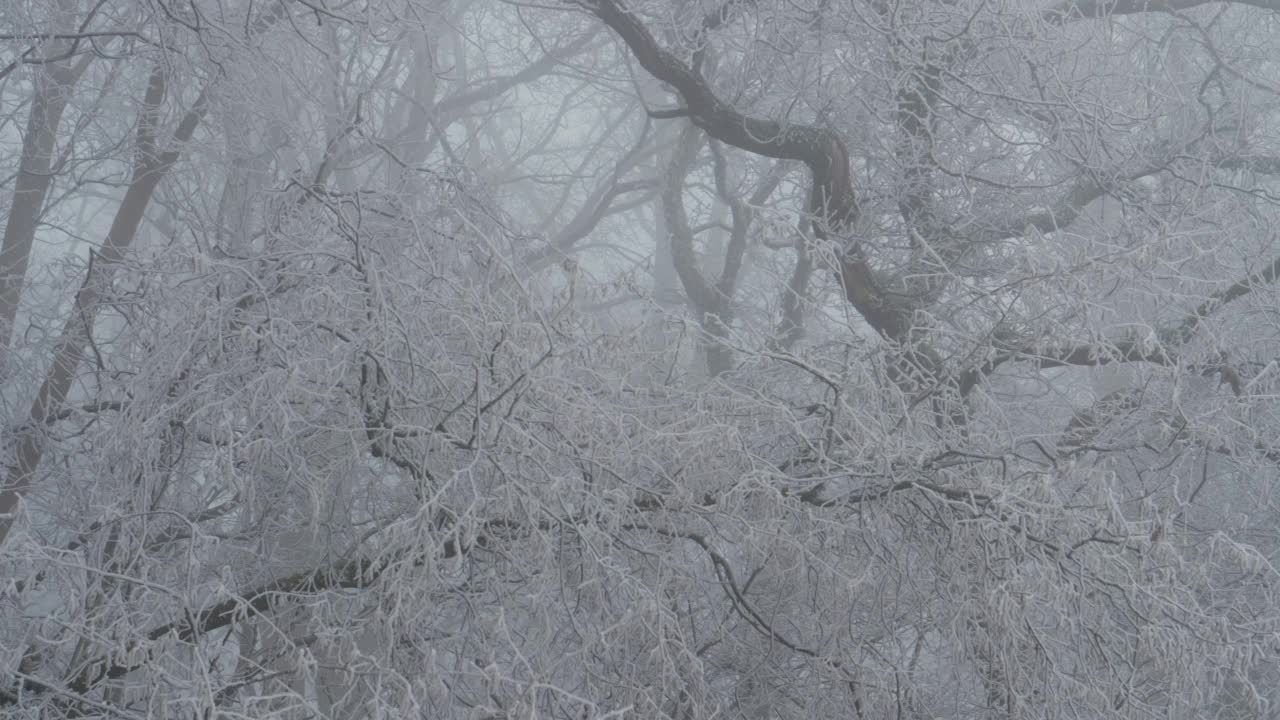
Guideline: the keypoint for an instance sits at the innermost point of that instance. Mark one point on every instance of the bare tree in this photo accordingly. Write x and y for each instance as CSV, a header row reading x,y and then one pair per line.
x,y
351,374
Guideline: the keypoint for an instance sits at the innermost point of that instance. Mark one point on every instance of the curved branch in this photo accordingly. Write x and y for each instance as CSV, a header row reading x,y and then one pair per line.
x,y
832,199
706,110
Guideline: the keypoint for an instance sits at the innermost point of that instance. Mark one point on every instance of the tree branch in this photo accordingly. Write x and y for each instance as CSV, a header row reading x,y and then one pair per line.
x,y
832,199
1069,10
1162,350
350,574
498,86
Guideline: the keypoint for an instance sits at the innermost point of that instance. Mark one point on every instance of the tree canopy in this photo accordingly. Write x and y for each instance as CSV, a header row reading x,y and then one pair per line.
x,y
647,359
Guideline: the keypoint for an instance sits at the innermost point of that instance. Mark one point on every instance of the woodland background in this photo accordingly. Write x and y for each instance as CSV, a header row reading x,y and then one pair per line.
x,y
679,359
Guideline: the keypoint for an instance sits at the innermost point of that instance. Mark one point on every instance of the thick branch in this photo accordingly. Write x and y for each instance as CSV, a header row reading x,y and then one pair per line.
x,y
254,601
150,168
1261,164
1162,351
742,212
1075,9
1236,290
832,199
1095,355
1063,213
700,292
791,327
722,122
52,89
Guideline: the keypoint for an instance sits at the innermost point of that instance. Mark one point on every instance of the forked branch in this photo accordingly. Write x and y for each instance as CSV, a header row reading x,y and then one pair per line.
x,y
832,199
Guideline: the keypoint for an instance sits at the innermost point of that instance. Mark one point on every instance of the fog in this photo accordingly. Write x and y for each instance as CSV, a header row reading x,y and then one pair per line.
x,y
660,359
